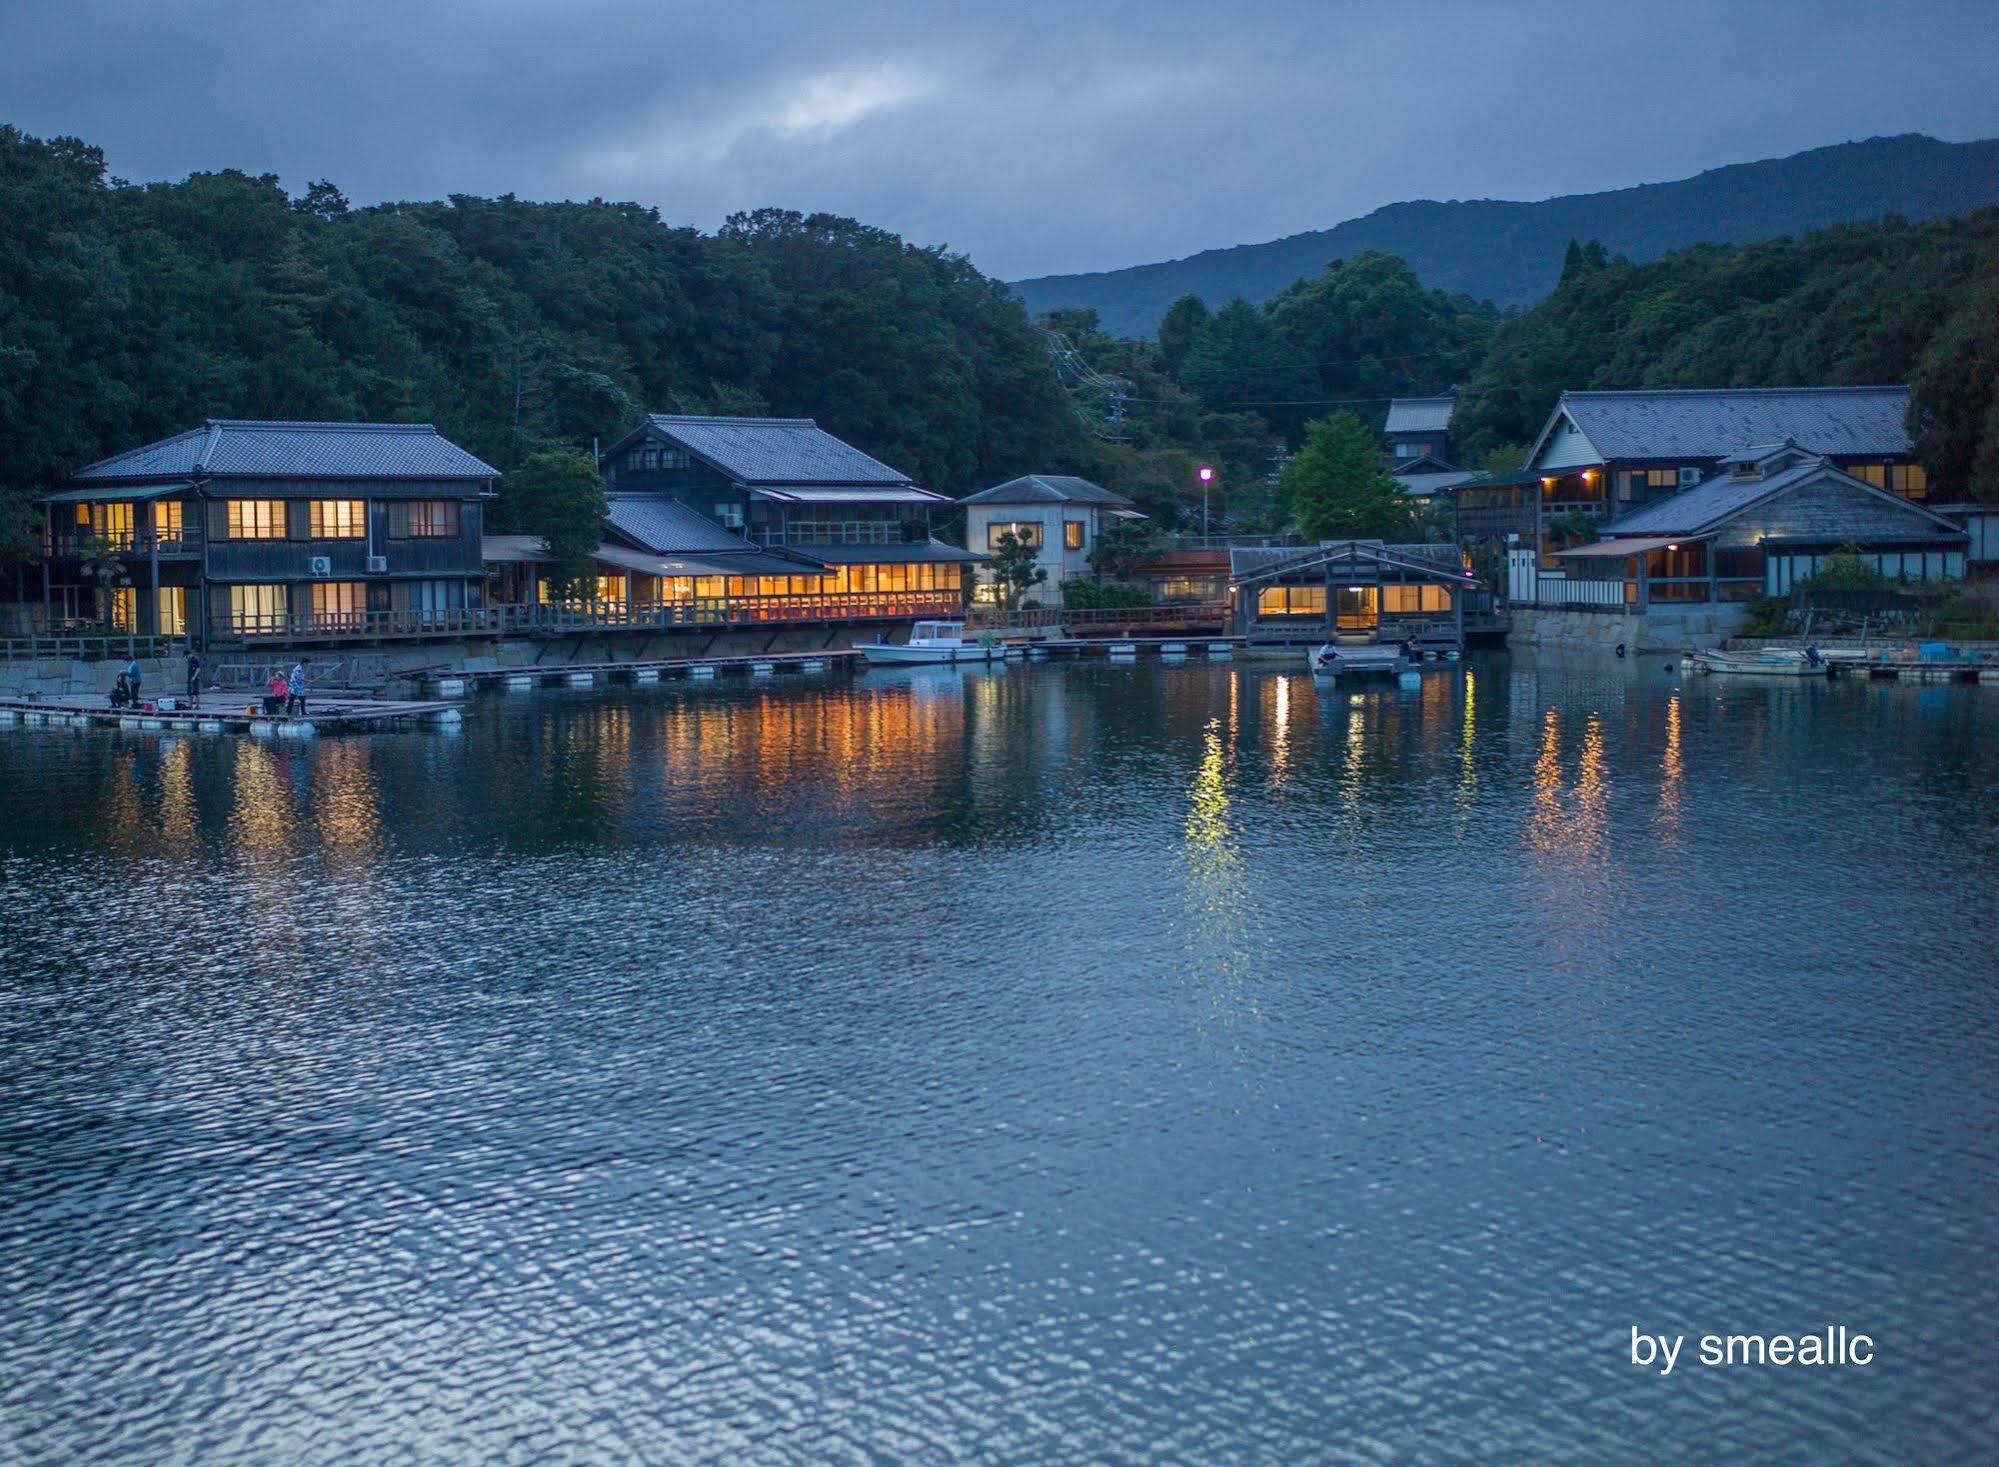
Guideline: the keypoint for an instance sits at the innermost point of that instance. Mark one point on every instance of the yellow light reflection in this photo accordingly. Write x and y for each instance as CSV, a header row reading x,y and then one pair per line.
x,y
1672,767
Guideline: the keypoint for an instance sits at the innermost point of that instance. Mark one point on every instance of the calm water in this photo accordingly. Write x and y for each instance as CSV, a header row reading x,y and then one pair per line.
x,y
1063,1063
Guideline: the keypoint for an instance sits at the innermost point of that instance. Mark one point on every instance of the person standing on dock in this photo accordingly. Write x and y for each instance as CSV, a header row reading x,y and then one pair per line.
x,y
194,680
132,678
295,687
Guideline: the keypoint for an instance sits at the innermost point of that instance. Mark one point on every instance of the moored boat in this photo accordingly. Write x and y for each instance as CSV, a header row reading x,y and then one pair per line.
x,y
1764,662
934,641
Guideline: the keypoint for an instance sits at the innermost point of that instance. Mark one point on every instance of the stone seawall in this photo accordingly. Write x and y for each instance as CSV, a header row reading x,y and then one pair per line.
x,y
1659,629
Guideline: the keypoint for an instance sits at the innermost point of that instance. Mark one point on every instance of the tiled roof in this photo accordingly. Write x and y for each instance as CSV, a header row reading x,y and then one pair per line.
x,y
774,450
231,448
667,527
1251,562
1718,497
1708,423
1419,414
916,552
1420,486
1048,489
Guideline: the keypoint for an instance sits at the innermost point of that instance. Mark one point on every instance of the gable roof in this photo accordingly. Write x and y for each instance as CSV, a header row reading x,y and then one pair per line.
x,y
667,527
1048,489
1419,414
1428,485
1256,563
757,451
1695,423
238,448
1722,496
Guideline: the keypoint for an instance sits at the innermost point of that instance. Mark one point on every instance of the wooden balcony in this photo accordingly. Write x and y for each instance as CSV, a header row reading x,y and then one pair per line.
x,y
570,618
69,544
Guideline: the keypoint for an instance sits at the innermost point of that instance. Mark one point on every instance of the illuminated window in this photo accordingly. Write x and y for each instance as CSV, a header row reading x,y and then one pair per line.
x,y
1072,534
113,522
255,519
124,609
170,610
1028,532
1411,599
166,518
1911,481
423,519
257,608
336,519
338,603
1291,601
1875,474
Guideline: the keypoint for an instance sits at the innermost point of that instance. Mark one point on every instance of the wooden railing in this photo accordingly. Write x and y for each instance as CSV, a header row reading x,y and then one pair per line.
x,y
1163,618
553,618
1559,590
69,544
87,646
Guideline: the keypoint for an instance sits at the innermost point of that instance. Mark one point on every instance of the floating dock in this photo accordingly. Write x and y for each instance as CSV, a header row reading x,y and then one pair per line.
x,y
642,670
230,713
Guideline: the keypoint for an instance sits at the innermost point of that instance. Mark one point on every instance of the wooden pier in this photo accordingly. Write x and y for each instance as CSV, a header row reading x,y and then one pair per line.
x,y
229,713
640,670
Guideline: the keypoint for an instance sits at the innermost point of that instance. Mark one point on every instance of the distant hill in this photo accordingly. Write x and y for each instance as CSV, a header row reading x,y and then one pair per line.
x,y
1511,253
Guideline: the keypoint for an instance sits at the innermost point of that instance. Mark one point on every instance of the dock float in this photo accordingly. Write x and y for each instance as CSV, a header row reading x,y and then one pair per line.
x,y
327,715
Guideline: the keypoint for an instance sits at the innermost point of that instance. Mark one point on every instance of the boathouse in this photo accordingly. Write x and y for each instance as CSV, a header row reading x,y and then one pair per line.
x,y
1355,591
245,531
1760,524
1063,517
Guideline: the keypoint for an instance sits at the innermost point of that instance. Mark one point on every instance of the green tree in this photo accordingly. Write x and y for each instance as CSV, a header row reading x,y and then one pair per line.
x,y
1238,361
1337,487
1014,567
1123,548
1179,329
1504,458
558,495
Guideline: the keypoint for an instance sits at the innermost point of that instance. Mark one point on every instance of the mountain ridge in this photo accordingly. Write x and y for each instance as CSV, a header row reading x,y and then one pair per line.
x,y
1510,251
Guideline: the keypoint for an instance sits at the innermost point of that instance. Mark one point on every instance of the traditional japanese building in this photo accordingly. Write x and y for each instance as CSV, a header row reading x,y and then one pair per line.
x,y
1351,590
1061,516
241,531
1762,522
1419,427
720,521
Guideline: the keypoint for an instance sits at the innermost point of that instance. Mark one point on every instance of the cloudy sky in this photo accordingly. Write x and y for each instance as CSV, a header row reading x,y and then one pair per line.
x,y
1036,135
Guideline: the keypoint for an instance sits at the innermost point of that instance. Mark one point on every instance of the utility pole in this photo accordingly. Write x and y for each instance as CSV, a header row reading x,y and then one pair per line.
x,y
1207,478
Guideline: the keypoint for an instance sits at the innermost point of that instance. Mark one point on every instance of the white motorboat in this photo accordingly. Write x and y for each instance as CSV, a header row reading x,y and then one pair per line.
x,y
1764,662
935,641
1334,660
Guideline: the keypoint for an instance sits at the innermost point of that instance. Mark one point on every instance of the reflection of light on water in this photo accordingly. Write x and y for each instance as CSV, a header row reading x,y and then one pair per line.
x,y
1467,766
1672,766
1592,795
1221,918
1208,803
1544,825
177,807
1280,735
260,817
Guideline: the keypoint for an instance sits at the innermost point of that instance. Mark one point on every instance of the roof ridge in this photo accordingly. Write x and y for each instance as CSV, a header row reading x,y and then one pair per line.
x,y
1721,391
715,418
290,425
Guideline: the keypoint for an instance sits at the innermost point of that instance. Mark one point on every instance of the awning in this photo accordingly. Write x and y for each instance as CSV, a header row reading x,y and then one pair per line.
x,y
513,550
1635,545
920,552
829,494
123,491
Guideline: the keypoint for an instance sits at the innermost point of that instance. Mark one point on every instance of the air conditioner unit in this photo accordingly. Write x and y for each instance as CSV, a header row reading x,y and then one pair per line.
x,y
1689,477
320,565
378,565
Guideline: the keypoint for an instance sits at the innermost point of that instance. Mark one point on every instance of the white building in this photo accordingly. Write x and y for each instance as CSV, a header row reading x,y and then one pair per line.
x,y
1062,516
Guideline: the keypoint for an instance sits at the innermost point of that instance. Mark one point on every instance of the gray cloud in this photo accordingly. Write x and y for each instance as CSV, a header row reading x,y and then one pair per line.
x,y
1037,136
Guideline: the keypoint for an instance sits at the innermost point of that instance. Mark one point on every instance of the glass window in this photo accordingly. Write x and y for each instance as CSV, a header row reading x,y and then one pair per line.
x,y
424,519
1912,481
1875,474
170,611
1291,601
113,522
338,603
166,518
1072,534
336,519
1027,531
124,609
257,608
256,519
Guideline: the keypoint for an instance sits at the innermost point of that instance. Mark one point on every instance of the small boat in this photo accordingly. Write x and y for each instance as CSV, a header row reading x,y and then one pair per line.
x,y
1764,662
935,641
1332,660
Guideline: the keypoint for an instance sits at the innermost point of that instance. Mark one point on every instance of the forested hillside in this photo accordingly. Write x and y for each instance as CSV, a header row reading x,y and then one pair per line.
x,y
1509,252
127,313
1887,302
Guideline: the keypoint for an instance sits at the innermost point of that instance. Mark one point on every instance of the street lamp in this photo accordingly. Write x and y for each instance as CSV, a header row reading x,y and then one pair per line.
x,y
1207,477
